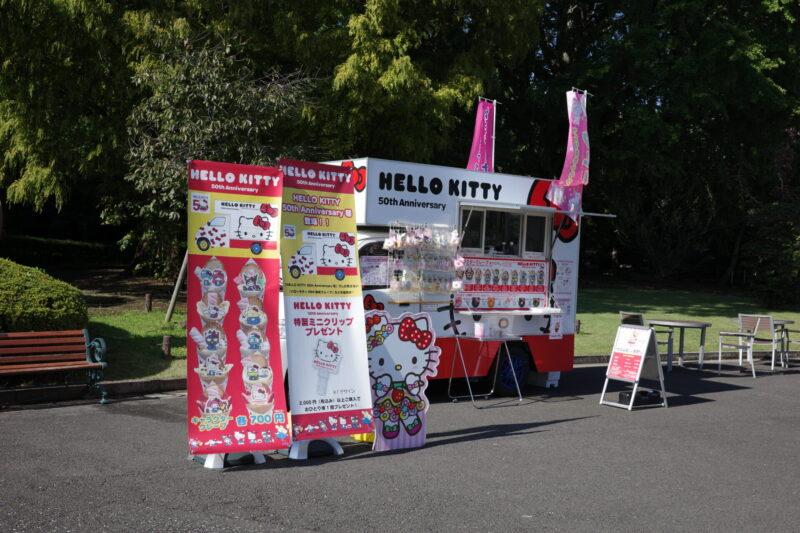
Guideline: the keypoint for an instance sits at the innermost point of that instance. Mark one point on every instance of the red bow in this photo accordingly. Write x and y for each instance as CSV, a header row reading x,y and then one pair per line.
x,y
333,347
262,223
346,237
371,304
410,332
269,210
373,320
342,250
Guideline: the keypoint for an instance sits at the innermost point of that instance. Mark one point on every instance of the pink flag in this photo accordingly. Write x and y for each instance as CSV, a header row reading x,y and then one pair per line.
x,y
566,193
481,156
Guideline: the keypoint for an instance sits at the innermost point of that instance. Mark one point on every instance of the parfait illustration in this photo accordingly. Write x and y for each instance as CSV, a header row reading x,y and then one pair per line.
x,y
251,314
213,371
216,403
257,378
211,341
213,277
251,281
260,399
327,359
212,309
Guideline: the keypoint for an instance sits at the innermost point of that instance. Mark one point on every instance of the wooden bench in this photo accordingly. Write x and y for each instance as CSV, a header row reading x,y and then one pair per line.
x,y
40,352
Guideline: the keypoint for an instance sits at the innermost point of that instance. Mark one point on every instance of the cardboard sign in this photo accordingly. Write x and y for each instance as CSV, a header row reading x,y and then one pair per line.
x,y
327,356
234,370
633,358
402,356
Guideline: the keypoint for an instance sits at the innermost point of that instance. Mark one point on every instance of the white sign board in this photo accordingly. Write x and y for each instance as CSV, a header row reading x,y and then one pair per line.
x,y
633,358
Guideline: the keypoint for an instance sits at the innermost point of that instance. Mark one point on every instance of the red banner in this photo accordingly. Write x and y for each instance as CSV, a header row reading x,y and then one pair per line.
x,y
234,370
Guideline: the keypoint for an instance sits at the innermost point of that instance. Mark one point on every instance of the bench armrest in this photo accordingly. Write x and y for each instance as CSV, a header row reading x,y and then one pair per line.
x,y
96,351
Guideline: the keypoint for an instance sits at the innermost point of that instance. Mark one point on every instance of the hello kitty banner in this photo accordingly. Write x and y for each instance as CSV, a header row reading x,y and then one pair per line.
x,y
328,372
234,370
402,357
567,192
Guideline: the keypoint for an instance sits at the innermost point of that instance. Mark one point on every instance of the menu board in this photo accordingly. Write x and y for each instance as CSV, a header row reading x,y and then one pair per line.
x,y
630,348
491,283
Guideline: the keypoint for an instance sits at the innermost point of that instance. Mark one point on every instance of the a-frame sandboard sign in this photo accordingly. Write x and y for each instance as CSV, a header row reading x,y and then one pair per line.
x,y
633,358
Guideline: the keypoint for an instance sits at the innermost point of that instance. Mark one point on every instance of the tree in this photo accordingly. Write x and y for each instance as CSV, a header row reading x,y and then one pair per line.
x,y
203,102
63,98
692,100
415,68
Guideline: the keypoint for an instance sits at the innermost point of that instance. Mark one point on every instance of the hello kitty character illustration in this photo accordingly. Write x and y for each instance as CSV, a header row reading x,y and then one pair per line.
x,y
402,356
327,358
212,312
254,228
338,255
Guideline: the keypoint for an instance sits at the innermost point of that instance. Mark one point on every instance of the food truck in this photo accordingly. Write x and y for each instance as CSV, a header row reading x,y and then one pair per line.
x,y
512,271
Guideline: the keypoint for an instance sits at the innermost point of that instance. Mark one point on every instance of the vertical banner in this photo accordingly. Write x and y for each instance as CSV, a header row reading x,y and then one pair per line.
x,y
327,355
234,370
481,155
566,193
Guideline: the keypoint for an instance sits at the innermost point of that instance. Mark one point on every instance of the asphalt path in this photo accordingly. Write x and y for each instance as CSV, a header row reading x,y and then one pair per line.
x,y
722,457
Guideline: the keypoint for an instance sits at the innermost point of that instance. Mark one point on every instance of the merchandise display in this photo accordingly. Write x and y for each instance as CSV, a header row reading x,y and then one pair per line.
x,y
423,258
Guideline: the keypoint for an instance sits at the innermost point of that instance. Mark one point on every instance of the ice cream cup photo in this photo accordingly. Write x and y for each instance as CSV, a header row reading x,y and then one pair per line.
x,y
213,375
251,281
256,371
261,407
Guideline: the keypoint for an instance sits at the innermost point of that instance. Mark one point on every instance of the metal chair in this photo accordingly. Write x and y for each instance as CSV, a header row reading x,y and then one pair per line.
x,y
753,329
637,319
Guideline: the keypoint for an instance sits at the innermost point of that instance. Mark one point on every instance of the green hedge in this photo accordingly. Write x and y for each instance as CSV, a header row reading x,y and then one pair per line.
x,y
30,300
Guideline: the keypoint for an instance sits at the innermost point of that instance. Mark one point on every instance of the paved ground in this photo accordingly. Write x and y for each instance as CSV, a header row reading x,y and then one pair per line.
x,y
722,457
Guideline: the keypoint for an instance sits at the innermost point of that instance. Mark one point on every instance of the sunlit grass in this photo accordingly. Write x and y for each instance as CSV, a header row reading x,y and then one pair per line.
x,y
134,343
598,311
134,337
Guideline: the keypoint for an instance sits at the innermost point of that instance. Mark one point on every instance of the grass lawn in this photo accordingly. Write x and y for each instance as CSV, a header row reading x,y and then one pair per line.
x,y
134,337
598,311
134,343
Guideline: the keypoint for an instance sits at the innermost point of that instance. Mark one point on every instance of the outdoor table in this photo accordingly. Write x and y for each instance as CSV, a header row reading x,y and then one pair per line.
x,y
682,325
503,340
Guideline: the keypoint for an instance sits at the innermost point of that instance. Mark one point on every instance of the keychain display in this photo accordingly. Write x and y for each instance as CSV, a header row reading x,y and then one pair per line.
x,y
423,258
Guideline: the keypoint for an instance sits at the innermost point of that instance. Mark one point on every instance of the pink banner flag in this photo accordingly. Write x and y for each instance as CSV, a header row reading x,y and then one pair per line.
x,y
566,193
481,156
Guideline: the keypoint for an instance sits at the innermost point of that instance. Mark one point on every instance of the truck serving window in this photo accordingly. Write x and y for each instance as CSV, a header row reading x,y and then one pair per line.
x,y
503,230
472,230
535,235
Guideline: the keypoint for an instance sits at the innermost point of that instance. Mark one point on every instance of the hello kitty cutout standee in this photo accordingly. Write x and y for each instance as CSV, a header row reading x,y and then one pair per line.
x,y
402,356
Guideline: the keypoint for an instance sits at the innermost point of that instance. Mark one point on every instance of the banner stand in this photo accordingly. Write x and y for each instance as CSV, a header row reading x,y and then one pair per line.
x,y
299,448
633,358
217,461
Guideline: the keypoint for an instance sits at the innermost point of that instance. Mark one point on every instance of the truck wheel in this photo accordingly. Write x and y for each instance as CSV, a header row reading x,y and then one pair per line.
x,y
520,363
339,274
294,271
203,243
256,248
